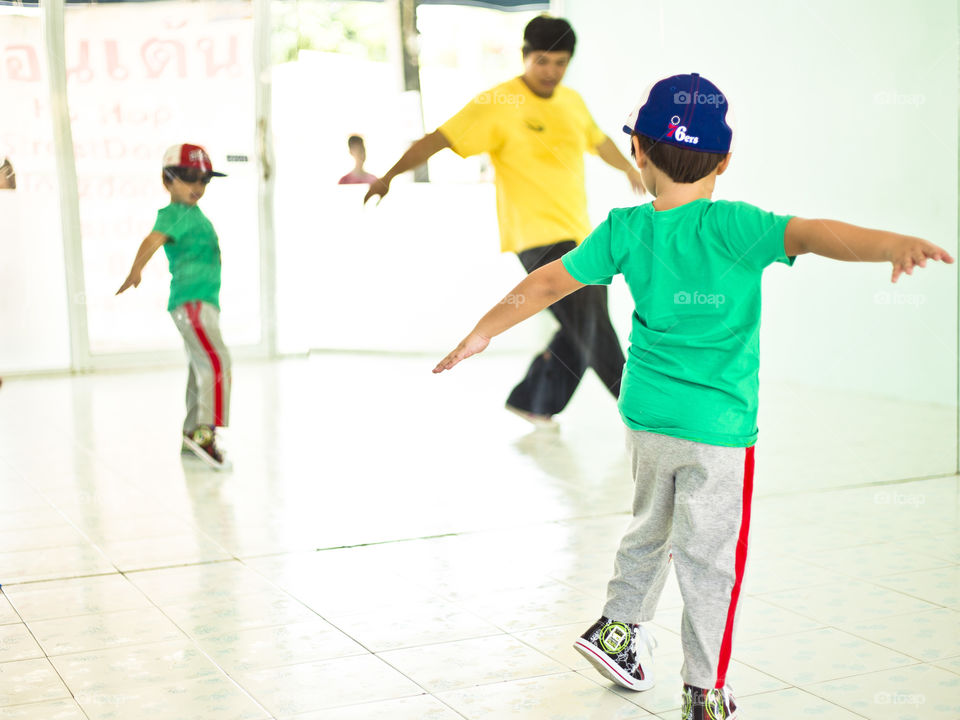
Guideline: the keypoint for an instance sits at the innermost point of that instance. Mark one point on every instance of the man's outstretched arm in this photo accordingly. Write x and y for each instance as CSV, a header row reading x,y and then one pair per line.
x,y
608,152
421,151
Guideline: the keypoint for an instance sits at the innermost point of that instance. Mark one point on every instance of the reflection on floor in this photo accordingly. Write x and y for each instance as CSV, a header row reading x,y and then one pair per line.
x,y
394,545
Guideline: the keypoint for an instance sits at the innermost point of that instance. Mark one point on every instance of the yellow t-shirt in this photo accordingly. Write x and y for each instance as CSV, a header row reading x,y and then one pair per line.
x,y
536,145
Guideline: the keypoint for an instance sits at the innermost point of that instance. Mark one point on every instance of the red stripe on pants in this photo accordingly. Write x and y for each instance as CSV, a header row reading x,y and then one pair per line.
x,y
727,645
193,313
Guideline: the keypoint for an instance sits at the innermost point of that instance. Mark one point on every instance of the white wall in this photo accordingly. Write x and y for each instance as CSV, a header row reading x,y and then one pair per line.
x,y
844,110
412,274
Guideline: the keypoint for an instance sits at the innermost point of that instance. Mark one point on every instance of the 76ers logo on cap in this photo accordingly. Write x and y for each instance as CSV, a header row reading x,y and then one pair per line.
x,y
674,123
679,132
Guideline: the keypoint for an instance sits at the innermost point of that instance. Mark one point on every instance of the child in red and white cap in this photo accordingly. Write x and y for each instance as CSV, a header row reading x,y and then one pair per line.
x,y
193,252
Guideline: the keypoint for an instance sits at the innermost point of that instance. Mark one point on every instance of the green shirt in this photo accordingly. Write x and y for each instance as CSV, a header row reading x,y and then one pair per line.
x,y
694,273
193,252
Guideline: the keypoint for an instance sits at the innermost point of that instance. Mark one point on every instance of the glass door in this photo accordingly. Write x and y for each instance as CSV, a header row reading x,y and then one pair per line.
x,y
142,77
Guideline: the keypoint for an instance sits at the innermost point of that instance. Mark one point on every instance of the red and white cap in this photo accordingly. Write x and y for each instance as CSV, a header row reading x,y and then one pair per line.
x,y
189,156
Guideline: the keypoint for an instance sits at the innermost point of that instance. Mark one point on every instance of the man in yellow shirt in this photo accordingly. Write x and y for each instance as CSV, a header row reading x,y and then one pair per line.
x,y
536,132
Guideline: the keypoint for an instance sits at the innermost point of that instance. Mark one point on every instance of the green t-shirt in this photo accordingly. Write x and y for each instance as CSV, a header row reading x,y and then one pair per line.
x,y
694,273
193,252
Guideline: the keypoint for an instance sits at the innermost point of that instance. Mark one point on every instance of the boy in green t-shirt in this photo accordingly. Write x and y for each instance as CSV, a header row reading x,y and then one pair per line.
x,y
689,391
193,252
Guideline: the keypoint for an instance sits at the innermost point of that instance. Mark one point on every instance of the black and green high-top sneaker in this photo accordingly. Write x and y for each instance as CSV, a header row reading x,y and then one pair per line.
x,y
621,652
712,704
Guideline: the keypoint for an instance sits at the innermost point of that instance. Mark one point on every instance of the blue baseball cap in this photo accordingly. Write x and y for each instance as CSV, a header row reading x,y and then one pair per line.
x,y
687,111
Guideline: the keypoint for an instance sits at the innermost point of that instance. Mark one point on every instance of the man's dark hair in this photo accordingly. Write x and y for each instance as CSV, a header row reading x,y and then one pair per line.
x,y
354,140
680,165
548,34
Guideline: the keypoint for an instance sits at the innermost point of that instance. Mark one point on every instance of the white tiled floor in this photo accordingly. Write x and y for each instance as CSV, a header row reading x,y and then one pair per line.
x,y
394,545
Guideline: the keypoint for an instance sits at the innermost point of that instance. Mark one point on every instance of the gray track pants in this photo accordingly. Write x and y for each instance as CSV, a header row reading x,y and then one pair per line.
x,y
694,500
208,384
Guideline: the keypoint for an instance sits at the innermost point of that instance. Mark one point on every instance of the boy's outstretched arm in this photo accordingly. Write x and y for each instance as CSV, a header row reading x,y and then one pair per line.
x,y
539,289
842,241
153,242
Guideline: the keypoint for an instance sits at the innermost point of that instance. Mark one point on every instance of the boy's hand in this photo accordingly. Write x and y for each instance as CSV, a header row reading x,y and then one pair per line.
x,y
132,279
474,343
911,252
636,181
380,187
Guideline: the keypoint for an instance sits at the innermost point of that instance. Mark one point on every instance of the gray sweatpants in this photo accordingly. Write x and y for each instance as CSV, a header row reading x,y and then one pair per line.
x,y
694,500
208,383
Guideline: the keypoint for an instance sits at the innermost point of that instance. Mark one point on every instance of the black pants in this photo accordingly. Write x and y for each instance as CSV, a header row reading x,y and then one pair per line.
x,y
586,338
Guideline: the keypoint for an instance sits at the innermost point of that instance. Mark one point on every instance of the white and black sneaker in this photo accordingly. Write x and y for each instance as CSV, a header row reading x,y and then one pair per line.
x,y
712,704
541,422
202,442
621,652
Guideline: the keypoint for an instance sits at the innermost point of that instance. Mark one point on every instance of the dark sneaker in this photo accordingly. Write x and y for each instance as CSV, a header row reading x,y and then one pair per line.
x,y
203,444
713,704
621,652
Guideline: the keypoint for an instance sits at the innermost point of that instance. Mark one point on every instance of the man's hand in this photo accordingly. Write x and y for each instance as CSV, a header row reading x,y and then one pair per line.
x,y
379,187
636,181
132,279
911,252
415,156
472,344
